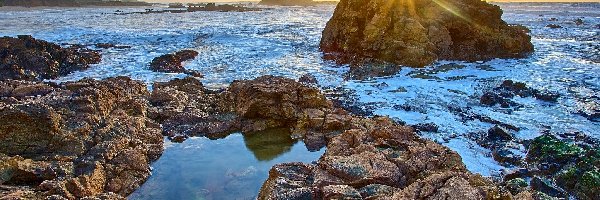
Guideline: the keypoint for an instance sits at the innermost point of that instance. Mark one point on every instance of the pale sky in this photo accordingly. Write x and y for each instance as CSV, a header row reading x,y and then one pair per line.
x,y
196,1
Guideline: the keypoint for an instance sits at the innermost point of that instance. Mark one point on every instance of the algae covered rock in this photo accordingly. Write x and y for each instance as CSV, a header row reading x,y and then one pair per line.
x,y
419,32
573,167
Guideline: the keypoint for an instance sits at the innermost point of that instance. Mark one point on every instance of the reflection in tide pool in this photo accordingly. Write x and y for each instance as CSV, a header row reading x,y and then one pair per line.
x,y
230,168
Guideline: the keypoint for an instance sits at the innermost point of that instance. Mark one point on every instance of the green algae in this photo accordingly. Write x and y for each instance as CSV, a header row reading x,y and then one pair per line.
x,y
548,148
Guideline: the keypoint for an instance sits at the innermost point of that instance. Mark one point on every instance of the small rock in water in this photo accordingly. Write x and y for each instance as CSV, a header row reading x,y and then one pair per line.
x,y
426,127
172,63
545,186
578,21
497,133
553,26
308,79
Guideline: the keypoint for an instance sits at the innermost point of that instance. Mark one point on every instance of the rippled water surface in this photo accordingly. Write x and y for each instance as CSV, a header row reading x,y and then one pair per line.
x,y
284,41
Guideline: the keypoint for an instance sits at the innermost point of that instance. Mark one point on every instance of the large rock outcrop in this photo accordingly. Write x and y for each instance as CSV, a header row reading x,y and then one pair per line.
x,y
419,32
186,108
78,139
378,159
25,58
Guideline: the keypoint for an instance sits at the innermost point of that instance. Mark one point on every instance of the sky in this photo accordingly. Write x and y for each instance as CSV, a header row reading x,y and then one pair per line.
x,y
195,1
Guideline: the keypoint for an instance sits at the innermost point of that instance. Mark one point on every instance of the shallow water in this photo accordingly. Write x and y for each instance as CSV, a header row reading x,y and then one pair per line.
x,y
231,168
284,41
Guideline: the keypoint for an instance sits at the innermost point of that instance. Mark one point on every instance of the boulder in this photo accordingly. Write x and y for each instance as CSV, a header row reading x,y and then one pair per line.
x,y
172,63
417,33
26,58
75,140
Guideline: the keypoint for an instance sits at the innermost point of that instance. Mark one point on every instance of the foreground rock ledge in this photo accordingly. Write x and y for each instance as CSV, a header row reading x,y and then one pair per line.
x,y
378,159
419,32
95,139
85,139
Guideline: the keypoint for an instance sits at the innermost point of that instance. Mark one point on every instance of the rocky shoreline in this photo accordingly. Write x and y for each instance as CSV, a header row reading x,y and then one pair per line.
x,y
97,139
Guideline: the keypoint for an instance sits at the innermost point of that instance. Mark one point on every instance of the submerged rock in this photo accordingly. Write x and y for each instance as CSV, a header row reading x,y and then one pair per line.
x,y
26,58
553,26
77,139
508,89
417,33
172,63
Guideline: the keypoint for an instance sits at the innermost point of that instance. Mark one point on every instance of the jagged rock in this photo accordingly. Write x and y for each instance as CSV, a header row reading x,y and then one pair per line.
x,y
25,58
172,63
417,33
377,158
516,186
509,89
308,79
427,127
185,107
75,140
497,133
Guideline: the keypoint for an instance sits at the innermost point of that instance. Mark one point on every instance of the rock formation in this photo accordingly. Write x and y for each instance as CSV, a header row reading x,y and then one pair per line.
x,y
172,63
74,140
186,108
95,139
378,159
419,32
25,58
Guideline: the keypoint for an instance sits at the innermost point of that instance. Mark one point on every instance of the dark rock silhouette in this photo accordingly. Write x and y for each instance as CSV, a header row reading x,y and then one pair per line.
x,y
417,33
26,58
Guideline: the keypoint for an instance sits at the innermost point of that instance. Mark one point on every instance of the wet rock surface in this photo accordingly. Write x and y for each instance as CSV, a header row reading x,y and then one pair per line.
x,y
417,33
173,63
26,58
249,106
502,94
378,159
75,140
557,166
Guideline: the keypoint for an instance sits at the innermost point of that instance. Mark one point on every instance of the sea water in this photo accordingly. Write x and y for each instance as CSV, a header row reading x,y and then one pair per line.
x,y
284,41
